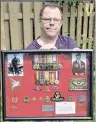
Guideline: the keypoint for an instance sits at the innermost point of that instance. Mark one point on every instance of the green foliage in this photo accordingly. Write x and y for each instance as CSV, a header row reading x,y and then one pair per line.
x,y
72,2
69,2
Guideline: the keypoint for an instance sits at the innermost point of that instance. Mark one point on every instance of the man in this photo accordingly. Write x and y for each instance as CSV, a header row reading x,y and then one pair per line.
x,y
51,20
78,66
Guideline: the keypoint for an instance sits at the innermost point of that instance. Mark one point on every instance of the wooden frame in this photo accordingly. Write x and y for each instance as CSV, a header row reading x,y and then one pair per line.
x,y
17,105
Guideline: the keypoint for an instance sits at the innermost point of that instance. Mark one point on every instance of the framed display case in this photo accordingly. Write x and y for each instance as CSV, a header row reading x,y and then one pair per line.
x,y
47,84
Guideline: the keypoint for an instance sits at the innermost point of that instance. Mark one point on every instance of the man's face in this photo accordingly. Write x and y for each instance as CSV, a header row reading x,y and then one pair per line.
x,y
78,57
51,22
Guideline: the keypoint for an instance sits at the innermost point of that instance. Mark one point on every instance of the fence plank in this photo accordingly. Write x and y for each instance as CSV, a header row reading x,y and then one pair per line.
x,y
5,6
37,8
20,33
65,23
15,42
79,24
28,30
90,26
85,40
3,40
72,23
7,35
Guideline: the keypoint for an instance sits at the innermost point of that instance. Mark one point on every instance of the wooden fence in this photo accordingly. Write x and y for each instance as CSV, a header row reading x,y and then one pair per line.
x,y
20,25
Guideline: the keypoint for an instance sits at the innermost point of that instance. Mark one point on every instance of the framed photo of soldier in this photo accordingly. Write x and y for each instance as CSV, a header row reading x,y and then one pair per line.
x,y
79,63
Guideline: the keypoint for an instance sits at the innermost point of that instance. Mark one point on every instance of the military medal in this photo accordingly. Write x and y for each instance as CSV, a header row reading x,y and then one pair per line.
x,y
54,57
55,66
49,58
26,99
51,74
40,58
54,62
57,77
37,77
43,59
56,81
37,66
35,62
14,99
41,77
46,77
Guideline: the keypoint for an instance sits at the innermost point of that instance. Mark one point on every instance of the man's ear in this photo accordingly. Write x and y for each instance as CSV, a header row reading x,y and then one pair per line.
x,y
62,22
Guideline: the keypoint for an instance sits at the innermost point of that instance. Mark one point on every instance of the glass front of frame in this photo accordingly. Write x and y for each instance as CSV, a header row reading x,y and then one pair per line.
x,y
47,85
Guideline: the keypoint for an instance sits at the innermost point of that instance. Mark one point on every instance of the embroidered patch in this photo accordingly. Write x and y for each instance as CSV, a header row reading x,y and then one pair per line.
x,y
78,84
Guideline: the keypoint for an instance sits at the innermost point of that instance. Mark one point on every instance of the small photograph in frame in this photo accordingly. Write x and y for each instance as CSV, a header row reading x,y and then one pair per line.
x,y
79,63
15,65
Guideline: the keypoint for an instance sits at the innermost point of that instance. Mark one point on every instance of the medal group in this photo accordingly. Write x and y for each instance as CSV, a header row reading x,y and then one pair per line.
x,y
47,72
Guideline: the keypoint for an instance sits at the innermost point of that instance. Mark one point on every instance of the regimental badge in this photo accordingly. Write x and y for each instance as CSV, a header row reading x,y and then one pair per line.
x,y
70,98
54,87
57,97
47,99
14,99
47,89
14,83
34,98
78,84
26,99
37,88
82,98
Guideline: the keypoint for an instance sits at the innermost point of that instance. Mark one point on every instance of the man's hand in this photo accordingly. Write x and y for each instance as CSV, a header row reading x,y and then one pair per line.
x,y
48,46
76,49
